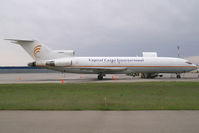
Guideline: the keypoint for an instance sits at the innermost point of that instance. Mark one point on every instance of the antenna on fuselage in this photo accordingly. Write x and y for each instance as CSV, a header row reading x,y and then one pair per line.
x,y
178,47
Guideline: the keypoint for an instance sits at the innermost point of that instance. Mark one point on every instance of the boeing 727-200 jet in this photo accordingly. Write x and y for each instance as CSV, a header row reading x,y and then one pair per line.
x,y
65,61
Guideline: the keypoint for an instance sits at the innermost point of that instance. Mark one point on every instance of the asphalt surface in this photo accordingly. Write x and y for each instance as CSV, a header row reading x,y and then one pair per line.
x,y
95,121
79,78
99,121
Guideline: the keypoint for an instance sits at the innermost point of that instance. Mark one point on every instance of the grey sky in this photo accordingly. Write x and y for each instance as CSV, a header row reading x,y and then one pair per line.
x,y
100,27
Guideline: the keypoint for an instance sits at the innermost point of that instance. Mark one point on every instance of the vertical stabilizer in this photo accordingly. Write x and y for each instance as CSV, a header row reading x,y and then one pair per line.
x,y
35,49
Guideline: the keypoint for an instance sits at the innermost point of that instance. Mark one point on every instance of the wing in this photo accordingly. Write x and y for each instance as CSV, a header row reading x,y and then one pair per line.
x,y
104,69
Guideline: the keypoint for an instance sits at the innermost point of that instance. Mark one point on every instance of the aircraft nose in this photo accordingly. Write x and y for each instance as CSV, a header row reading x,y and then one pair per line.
x,y
194,66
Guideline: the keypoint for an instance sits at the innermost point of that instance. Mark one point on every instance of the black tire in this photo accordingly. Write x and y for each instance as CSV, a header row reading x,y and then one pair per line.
x,y
100,77
178,76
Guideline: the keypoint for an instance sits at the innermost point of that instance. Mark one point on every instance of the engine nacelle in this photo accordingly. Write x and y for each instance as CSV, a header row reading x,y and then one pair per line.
x,y
52,63
65,52
37,63
59,62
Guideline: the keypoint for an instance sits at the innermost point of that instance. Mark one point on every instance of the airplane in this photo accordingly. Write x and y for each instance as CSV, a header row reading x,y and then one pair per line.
x,y
66,61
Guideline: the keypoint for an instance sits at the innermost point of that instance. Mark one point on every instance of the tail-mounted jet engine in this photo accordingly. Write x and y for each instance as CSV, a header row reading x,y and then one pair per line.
x,y
51,63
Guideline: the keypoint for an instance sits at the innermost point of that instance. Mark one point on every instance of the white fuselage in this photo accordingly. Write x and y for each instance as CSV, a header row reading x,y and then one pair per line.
x,y
65,61
110,65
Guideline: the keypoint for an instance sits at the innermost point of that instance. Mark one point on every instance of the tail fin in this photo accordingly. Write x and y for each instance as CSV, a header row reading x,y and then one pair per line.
x,y
36,50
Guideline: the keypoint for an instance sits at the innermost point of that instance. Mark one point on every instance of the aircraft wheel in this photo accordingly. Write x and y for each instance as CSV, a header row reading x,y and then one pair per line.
x,y
178,76
100,77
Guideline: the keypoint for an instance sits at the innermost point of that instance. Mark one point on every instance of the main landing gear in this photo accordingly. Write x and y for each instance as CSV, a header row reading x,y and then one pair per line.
x,y
178,76
149,75
101,76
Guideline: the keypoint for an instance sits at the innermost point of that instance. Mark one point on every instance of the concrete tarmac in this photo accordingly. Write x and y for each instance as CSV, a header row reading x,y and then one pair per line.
x,y
95,121
84,78
99,121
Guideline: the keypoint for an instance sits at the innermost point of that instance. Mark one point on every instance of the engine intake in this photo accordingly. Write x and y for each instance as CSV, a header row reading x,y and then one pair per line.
x,y
66,53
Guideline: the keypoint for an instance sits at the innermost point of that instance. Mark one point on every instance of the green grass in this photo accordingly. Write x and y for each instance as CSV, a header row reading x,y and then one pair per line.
x,y
90,96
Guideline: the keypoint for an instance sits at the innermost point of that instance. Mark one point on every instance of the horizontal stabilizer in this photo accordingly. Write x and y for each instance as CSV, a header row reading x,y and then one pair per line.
x,y
16,41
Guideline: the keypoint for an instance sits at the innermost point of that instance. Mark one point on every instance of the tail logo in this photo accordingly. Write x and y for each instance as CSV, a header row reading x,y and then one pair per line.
x,y
36,50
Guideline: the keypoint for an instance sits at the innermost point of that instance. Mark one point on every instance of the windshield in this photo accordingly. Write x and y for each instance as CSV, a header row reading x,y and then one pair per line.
x,y
189,63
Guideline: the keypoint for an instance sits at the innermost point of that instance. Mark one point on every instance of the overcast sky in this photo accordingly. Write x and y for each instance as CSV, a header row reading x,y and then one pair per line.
x,y
100,27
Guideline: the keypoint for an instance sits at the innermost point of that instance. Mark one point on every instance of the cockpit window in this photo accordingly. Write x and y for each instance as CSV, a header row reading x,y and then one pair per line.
x,y
189,63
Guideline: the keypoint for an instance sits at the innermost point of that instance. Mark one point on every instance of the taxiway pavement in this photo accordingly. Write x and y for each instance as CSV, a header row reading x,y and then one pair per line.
x,y
99,121
85,78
